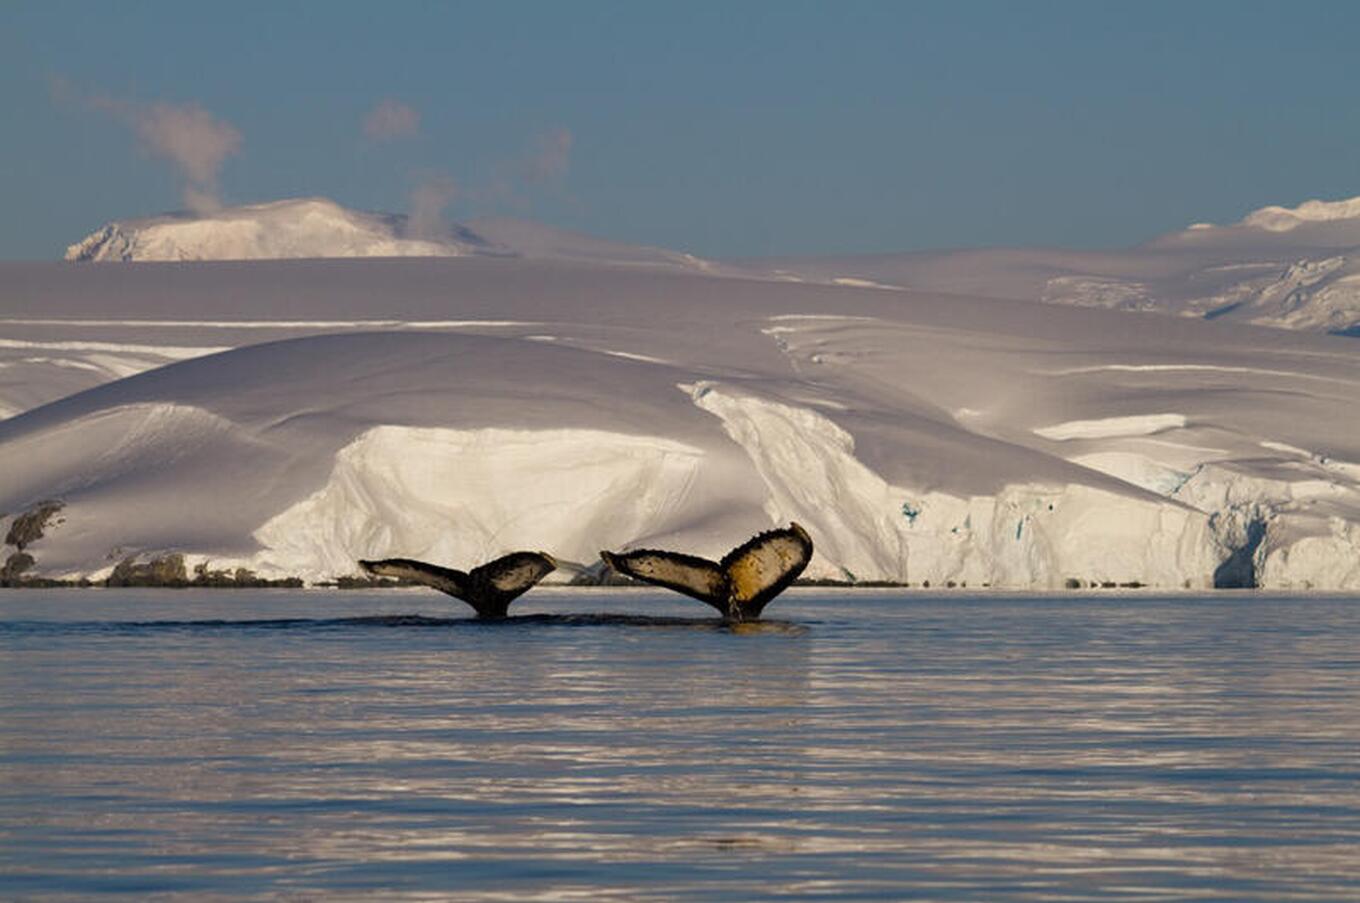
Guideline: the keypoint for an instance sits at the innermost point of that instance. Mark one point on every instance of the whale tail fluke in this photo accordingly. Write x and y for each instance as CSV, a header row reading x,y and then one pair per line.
x,y
489,588
739,586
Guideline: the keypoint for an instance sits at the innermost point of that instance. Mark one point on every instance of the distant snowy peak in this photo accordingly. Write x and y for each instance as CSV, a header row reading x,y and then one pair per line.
x,y
1312,223
1283,219
309,227
317,227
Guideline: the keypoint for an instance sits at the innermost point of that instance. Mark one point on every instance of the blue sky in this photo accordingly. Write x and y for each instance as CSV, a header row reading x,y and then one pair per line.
x,y
726,129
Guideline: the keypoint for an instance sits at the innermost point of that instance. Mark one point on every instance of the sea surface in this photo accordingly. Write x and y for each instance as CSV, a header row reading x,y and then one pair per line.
x,y
861,745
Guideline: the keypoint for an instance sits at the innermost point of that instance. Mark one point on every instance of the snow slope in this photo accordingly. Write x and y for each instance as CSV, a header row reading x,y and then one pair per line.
x,y
43,358
1293,268
457,408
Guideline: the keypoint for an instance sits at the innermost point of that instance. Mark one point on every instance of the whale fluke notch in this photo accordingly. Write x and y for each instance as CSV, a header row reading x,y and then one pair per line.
x,y
739,586
488,588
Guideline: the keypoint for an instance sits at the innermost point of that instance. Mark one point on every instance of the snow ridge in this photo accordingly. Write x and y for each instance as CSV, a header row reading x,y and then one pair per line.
x,y
1283,219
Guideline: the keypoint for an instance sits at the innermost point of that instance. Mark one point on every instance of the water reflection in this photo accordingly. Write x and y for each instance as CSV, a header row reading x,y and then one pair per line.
x,y
865,746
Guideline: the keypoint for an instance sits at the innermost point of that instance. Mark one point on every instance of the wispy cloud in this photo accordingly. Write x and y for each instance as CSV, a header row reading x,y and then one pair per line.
x,y
193,140
391,120
543,165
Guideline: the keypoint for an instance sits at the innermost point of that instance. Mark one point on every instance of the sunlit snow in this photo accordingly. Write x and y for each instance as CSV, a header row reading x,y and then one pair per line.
x,y
290,416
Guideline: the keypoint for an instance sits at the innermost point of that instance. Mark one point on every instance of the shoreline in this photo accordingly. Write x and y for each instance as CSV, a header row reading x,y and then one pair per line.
x,y
573,589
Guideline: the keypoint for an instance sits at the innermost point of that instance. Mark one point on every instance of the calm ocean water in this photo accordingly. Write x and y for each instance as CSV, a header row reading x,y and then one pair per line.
x,y
866,745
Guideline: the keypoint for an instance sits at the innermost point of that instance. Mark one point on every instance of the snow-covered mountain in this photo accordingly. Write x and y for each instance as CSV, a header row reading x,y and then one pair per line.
x,y
312,412
1320,224
320,228
306,227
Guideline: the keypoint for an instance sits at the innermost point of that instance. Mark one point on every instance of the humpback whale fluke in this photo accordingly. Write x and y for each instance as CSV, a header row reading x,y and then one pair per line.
x,y
740,585
489,588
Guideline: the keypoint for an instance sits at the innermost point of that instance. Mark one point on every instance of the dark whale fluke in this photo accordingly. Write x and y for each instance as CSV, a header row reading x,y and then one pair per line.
x,y
740,585
489,588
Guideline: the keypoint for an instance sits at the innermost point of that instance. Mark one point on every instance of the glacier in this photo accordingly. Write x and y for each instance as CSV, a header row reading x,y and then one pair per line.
x,y
289,416
1288,268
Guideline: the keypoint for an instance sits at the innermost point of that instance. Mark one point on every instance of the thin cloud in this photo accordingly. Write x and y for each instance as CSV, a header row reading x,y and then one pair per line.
x,y
544,164
391,120
193,140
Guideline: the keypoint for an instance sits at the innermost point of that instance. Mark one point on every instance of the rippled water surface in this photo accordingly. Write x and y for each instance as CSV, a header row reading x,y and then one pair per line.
x,y
865,745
